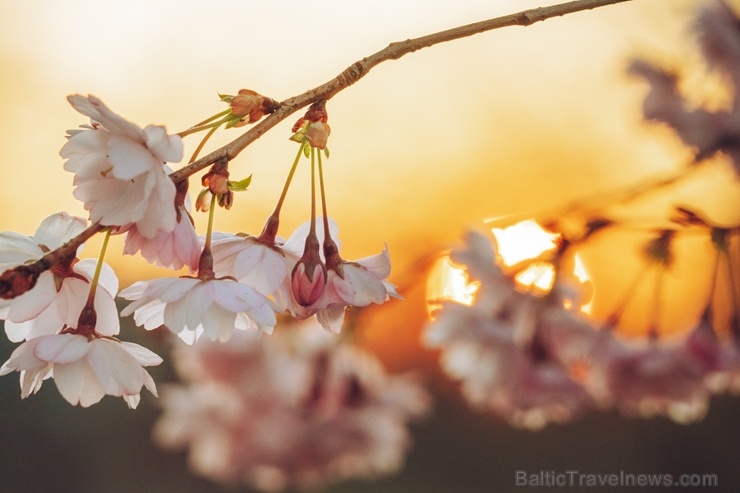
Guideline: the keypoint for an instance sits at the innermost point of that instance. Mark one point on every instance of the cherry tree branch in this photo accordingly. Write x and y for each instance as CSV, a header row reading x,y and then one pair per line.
x,y
359,69
16,281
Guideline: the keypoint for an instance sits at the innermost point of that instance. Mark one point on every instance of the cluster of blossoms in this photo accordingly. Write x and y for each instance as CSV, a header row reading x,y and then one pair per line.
x,y
239,281
295,410
536,358
69,322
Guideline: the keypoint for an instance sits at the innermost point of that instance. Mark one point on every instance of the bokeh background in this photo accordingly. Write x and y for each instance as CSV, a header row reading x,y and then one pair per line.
x,y
515,121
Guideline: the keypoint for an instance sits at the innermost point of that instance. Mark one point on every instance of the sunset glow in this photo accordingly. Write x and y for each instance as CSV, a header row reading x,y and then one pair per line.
x,y
516,244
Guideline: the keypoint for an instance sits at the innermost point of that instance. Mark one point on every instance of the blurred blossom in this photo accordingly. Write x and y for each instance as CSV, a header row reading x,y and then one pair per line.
x,y
295,410
534,359
649,378
718,29
510,349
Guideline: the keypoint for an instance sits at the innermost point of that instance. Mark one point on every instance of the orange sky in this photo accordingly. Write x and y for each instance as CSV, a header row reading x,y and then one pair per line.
x,y
515,120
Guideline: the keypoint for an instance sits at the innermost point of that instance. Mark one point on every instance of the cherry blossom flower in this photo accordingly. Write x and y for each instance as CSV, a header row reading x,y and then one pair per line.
x,y
119,169
656,377
70,298
298,409
61,292
346,283
249,260
190,307
512,351
84,369
174,250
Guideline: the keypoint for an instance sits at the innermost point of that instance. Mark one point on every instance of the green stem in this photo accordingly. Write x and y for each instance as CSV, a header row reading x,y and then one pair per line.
x,y
209,231
312,231
208,120
203,142
323,197
193,130
205,264
288,180
98,268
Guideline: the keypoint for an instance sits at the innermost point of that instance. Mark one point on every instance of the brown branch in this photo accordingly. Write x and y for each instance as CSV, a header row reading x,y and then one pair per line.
x,y
14,282
359,69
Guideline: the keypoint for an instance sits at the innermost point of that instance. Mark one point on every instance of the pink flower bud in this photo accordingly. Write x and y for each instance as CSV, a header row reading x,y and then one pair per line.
x,y
308,288
250,106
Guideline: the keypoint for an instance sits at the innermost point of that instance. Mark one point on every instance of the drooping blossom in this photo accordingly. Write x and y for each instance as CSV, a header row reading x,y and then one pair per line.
x,y
248,260
84,368
357,283
656,378
512,351
64,309
707,131
60,292
363,282
119,169
191,307
296,410
174,250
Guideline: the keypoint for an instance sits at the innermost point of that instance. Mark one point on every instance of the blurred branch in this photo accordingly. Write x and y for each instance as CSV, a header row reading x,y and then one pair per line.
x,y
359,69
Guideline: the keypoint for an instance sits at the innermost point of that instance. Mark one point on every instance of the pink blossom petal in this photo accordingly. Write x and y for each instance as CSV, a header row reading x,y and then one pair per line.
x,y
108,322
32,379
142,355
31,303
168,148
115,368
17,249
128,157
107,280
62,349
359,286
160,203
22,358
94,108
150,315
77,383
331,318
379,265
57,229
83,154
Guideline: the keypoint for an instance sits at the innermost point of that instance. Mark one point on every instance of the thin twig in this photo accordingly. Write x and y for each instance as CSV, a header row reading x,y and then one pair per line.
x,y
359,69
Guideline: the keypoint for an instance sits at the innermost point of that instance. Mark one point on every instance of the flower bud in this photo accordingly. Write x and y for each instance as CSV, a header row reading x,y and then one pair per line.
x,y
203,202
308,282
217,179
318,134
249,105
